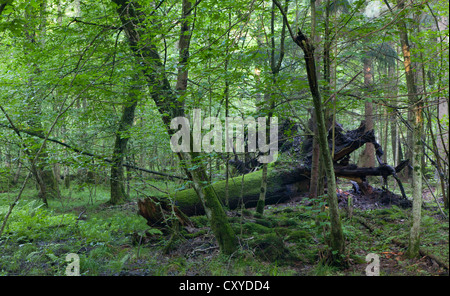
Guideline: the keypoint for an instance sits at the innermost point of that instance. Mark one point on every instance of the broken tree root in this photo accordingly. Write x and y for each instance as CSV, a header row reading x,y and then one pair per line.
x,y
160,213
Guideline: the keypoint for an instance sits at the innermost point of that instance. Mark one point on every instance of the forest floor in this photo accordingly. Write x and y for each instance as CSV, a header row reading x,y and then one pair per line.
x,y
289,239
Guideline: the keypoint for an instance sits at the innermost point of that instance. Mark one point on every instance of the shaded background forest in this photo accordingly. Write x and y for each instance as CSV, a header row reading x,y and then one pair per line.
x,y
88,89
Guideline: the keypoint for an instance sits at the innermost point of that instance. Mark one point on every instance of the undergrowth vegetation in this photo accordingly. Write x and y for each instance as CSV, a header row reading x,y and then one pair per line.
x,y
289,239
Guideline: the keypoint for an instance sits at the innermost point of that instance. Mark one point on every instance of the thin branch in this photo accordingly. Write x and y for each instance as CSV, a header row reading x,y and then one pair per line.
x,y
11,207
103,158
285,19
344,86
77,20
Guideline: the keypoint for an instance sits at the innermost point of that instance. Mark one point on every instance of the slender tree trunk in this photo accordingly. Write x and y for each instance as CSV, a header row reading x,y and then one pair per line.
x,y
386,133
17,174
417,148
393,122
336,237
443,147
336,241
118,193
367,158
442,153
269,103
47,183
170,106
262,195
227,110
315,161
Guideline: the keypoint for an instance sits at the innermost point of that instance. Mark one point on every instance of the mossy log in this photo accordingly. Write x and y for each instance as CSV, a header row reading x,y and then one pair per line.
x,y
282,185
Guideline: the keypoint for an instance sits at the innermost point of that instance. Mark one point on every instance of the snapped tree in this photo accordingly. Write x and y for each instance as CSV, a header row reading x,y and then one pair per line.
x,y
336,242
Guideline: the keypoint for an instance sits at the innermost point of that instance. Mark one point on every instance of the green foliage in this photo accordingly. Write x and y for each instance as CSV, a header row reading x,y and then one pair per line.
x,y
325,270
299,235
72,67
30,222
116,241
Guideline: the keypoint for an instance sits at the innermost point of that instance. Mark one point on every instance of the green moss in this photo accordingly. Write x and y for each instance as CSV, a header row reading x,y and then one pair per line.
x,y
270,247
260,206
264,222
199,221
246,212
299,235
258,215
220,226
285,221
195,234
188,201
282,231
251,228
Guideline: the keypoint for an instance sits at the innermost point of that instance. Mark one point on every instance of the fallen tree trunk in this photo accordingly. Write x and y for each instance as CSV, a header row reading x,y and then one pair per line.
x,y
352,172
282,185
344,143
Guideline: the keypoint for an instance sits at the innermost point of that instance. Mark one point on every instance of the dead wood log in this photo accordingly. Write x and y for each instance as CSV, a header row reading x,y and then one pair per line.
x,y
282,185
353,172
285,183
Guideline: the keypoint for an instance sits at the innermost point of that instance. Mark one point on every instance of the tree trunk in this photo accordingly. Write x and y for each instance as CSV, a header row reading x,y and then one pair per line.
x,y
443,147
315,163
337,242
367,158
170,106
282,185
393,122
17,174
417,147
269,101
262,195
316,177
118,193
47,183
